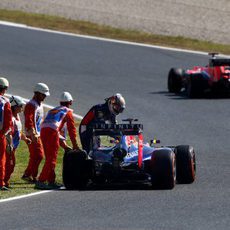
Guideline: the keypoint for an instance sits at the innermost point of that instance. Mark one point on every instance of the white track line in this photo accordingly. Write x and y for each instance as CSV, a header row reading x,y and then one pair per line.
x,y
46,105
99,38
105,39
23,196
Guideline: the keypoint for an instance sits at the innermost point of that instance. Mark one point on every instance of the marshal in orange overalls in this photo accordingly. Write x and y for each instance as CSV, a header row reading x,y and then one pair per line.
x,y
33,117
5,127
51,138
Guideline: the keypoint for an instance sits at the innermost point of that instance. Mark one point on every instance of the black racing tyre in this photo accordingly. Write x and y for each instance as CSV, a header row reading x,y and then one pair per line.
x,y
195,86
76,170
186,164
99,180
175,80
163,169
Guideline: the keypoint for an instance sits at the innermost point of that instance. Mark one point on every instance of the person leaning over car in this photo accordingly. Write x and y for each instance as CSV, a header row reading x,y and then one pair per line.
x,y
33,114
5,128
16,103
51,138
101,113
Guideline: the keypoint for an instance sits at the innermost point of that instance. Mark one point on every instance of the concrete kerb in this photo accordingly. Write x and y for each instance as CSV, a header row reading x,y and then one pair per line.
x,y
47,106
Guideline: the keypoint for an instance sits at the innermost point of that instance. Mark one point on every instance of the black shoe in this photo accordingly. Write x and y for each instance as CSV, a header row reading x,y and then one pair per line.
x,y
46,186
42,186
55,185
8,186
29,179
4,188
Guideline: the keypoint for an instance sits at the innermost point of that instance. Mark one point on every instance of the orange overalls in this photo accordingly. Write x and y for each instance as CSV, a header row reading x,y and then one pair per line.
x,y
50,135
10,157
33,118
5,127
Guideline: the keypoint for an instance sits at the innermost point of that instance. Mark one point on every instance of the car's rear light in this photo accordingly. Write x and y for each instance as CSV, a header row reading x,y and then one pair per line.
x,y
226,76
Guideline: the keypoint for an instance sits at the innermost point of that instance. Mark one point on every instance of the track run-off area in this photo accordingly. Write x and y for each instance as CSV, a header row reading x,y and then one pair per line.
x,y
92,69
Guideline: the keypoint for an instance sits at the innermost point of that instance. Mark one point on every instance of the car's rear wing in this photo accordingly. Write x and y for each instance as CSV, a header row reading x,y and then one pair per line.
x,y
122,129
219,62
117,129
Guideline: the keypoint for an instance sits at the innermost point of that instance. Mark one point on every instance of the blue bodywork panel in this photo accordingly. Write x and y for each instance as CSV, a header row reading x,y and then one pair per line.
x,y
105,154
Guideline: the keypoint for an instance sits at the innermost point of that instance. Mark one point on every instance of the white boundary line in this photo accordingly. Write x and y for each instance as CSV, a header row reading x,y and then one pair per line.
x,y
24,196
105,39
99,38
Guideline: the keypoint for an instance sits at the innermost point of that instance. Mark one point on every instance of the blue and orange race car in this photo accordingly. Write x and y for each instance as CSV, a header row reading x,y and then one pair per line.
x,y
215,78
119,155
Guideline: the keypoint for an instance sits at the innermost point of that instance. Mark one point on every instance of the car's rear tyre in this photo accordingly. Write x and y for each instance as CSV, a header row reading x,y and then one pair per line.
x,y
175,80
76,169
163,169
186,164
195,86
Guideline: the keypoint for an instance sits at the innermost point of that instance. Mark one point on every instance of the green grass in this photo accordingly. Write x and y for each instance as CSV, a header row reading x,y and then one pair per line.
x,y
88,28
20,187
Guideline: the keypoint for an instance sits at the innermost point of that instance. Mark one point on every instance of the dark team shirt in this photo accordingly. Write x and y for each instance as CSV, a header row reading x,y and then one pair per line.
x,y
98,114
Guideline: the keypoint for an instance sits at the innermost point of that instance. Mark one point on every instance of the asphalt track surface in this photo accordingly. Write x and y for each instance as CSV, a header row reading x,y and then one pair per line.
x,y
93,70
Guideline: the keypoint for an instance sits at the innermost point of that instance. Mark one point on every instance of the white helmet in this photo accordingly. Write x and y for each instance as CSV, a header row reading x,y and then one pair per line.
x,y
4,83
66,97
116,104
42,88
16,101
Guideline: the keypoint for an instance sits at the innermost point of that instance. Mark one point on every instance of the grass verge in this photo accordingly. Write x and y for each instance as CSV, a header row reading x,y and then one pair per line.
x,y
88,28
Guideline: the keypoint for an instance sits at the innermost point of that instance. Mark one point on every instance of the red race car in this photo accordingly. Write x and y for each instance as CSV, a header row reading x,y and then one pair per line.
x,y
215,77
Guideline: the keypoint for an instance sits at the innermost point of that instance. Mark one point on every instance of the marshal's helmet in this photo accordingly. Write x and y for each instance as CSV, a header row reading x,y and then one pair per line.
x,y
16,101
66,97
42,88
4,83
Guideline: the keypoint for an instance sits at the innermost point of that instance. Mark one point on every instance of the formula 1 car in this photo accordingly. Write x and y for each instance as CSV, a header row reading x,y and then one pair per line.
x,y
124,158
215,77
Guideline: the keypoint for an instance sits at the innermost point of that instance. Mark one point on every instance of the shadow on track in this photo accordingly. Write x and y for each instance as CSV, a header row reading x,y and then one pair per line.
x,y
113,187
182,95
